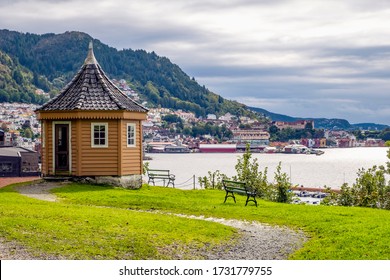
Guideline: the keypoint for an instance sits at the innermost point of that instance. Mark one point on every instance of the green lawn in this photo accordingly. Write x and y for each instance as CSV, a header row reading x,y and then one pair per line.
x,y
100,222
92,232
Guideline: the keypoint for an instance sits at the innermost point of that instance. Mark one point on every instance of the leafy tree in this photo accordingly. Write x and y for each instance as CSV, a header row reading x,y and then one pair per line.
x,y
4,127
273,129
385,134
26,125
282,184
370,189
172,118
187,131
4,96
346,197
17,76
28,133
248,171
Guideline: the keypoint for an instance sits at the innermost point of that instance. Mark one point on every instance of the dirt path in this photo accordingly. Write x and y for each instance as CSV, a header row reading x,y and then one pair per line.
x,y
40,190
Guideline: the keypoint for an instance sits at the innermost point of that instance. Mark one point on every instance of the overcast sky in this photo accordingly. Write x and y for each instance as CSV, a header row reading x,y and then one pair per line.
x,y
305,58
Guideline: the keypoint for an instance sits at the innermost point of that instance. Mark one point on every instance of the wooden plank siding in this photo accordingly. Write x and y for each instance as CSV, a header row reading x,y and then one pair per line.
x,y
74,150
44,132
115,160
49,147
131,156
99,161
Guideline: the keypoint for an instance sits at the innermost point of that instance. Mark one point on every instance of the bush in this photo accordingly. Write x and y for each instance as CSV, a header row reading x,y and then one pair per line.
x,y
282,186
248,172
370,189
213,181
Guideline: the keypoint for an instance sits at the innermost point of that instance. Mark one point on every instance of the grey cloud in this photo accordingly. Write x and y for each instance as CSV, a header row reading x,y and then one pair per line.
x,y
207,5
368,5
7,2
366,53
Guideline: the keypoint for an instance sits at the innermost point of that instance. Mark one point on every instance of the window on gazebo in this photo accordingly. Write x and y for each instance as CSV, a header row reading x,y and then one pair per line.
x,y
99,137
130,135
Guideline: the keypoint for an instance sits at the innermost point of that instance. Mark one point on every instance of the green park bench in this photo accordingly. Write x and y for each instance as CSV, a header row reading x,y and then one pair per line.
x,y
164,175
232,187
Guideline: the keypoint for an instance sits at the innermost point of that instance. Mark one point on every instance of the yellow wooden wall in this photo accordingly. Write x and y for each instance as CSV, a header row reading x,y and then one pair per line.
x,y
99,161
115,160
131,156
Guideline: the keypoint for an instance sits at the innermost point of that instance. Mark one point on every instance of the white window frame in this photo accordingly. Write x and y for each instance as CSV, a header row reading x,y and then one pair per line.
x,y
93,145
133,125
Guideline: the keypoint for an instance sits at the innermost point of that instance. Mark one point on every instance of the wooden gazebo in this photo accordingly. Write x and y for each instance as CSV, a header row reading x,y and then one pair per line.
x,y
92,129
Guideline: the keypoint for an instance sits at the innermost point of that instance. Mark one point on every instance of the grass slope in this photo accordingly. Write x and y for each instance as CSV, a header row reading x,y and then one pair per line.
x,y
336,232
97,222
90,232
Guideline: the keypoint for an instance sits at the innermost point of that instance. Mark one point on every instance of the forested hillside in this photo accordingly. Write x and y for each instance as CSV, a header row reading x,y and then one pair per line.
x,y
16,82
49,61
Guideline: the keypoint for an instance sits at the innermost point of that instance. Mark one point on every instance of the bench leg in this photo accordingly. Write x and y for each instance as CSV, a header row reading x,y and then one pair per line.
x,y
248,199
151,180
232,195
172,182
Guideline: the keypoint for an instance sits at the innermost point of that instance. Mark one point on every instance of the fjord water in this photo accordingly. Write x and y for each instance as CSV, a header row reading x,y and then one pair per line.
x,y
331,169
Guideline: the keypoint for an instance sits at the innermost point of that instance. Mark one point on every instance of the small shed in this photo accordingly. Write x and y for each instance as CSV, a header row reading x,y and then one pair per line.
x,y
18,162
92,129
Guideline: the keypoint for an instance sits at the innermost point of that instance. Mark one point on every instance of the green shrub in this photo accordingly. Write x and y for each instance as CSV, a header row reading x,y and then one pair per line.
x,y
370,189
213,181
248,171
282,186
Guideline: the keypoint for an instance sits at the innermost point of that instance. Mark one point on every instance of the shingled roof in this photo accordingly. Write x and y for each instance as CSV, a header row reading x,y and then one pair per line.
x,y
91,90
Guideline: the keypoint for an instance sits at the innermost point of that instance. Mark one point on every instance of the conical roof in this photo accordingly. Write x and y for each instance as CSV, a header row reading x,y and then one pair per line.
x,y
91,90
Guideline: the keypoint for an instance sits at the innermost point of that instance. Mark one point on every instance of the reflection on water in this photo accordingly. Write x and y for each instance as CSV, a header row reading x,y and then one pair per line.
x,y
332,169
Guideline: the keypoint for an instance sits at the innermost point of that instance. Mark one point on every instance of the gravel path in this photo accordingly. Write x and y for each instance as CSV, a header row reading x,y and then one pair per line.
x,y
257,242
41,190
13,251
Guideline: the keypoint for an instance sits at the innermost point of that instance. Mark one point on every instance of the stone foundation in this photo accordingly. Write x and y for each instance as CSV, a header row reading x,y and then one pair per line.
x,y
128,182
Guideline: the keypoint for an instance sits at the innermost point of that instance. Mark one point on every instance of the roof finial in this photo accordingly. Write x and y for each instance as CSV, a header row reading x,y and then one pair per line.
x,y
91,57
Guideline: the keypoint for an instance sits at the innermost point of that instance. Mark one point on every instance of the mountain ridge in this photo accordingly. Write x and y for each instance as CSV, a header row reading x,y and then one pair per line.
x,y
325,123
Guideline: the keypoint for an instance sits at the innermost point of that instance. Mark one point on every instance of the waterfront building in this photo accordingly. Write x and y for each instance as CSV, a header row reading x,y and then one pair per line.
x,y
217,148
300,124
259,136
314,143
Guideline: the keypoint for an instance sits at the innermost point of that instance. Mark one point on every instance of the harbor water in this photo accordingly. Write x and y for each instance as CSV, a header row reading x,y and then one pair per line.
x,y
331,169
